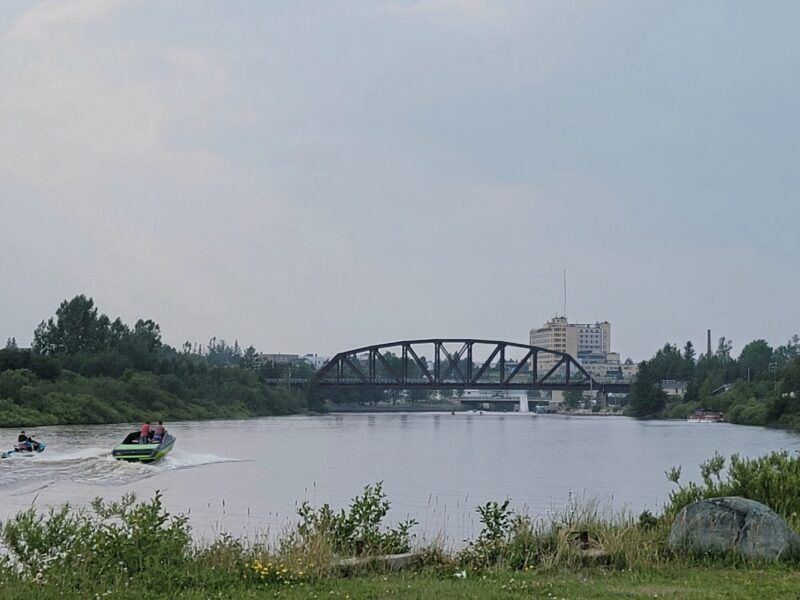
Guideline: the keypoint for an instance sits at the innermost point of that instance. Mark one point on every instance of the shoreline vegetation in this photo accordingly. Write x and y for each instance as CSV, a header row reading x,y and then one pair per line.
x,y
759,387
85,368
115,549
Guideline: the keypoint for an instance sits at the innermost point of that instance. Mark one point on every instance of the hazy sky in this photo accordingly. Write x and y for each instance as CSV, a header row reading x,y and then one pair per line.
x,y
315,176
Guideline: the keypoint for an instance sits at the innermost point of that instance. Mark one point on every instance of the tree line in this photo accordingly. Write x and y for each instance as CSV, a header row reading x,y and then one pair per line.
x,y
83,367
759,387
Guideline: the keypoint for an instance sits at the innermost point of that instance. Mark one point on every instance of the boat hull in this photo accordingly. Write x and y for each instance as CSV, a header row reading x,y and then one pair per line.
x,y
704,415
15,453
144,453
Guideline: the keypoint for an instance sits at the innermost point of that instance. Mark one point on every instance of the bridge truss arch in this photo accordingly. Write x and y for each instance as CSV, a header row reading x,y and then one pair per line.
x,y
459,363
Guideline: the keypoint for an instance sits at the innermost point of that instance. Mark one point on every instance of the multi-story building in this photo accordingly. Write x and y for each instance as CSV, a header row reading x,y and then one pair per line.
x,y
593,339
588,343
579,340
557,334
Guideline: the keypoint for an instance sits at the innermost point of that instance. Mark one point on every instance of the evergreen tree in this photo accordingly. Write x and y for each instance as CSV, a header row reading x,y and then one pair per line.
x,y
249,358
646,398
688,363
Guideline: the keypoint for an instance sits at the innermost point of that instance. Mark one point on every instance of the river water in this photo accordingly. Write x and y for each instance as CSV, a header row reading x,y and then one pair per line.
x,y
247,477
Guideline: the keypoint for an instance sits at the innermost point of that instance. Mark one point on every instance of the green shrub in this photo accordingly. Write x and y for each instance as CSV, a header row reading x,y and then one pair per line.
x,y
773,480
681,410
82,549
14,415
501,529
357,530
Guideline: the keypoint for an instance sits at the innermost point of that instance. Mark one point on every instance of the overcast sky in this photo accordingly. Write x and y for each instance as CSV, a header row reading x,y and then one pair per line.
x,y
316,176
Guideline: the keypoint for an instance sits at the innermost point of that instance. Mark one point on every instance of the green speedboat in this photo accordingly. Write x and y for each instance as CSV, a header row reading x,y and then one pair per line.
x,y
148,452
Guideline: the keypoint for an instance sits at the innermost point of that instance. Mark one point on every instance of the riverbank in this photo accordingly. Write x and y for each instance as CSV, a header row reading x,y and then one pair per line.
x,y
83,369
68,398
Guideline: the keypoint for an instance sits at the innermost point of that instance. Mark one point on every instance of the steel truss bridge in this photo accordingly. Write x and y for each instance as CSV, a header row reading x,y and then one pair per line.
x,y
450,363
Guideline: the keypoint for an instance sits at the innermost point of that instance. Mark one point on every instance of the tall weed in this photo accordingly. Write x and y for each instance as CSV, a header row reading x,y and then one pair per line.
x,y
357,530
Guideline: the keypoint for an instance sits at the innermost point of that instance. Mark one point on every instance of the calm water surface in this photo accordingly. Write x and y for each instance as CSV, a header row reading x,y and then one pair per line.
x,y
247,477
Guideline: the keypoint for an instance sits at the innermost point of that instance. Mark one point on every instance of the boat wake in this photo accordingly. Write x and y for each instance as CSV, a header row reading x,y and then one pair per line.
x,y
93,466
187,460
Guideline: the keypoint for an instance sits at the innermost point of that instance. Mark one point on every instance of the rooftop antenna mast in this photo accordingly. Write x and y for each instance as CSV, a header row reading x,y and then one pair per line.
x,y
565,293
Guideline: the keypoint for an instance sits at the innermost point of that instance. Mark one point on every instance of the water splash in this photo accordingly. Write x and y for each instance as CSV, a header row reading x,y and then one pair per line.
x,y
93,466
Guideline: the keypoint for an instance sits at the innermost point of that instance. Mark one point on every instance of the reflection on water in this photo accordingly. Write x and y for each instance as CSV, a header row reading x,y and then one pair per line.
x,y
247,477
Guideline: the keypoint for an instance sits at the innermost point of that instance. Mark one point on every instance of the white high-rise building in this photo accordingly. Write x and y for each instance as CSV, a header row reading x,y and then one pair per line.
x,y
588,343
593,339
557,334
576,339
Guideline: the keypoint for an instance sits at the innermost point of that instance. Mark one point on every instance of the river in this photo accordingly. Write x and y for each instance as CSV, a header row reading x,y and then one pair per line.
x,y
247,477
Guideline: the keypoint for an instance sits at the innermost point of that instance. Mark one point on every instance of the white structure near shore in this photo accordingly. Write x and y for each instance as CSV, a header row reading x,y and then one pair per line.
x,y
489,397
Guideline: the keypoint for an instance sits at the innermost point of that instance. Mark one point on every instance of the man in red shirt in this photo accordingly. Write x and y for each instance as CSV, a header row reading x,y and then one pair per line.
x,y
144,434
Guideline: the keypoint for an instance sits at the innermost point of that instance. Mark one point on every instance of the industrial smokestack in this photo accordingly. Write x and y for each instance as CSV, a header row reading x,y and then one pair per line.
x,y
709,344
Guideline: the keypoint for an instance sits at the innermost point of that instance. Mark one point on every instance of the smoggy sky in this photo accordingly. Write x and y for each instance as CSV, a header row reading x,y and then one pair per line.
x,y
315,176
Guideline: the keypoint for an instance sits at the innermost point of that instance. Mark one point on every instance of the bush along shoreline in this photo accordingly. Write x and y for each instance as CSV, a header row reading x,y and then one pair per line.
x,y
84,368
113,549
759,387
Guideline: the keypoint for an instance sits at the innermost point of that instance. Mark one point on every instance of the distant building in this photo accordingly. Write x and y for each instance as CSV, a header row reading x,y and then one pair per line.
x,y
629,369
673,388
588,343
602,365
263,359
317,362
593,339
557,334
576,339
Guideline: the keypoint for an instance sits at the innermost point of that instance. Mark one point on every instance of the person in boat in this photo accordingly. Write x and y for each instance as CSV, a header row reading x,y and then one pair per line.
x,y
158,432
144,434
22,441
32,444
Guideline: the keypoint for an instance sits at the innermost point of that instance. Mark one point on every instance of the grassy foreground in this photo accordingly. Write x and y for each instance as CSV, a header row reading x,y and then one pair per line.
x,y
129,549
690,583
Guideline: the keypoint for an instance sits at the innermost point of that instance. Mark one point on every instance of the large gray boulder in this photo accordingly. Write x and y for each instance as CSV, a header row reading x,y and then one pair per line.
x,y
734,524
